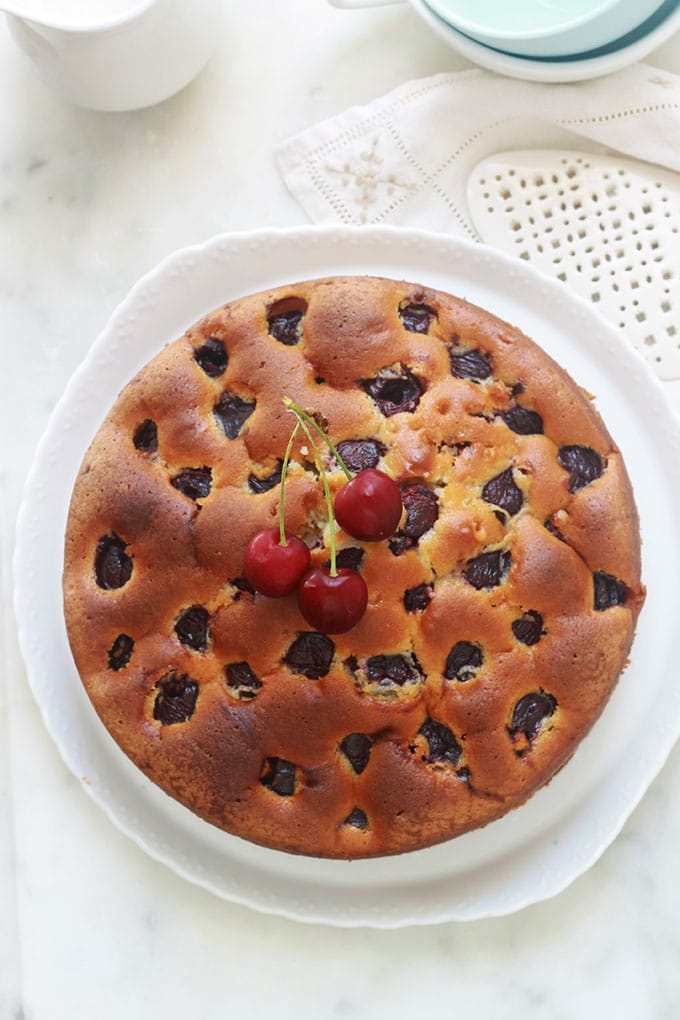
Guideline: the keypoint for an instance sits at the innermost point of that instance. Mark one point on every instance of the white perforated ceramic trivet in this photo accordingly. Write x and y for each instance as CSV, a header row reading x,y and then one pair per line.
x,y
608,227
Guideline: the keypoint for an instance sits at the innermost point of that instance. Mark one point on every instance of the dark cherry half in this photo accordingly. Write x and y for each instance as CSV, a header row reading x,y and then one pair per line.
x,y
191,628
243,587
417,318
145,438
394,392
357,819
503,492
112,565
422,509
583,464
120,652
463,661
359,454
194,483
523,421
443,745
531,712
310,654
487,570
286,326
399,543
212,357
349,558
176,698
388,670
356,747
609,591
418,599
474,364
232,412
528,628
241,680
278,775
259,485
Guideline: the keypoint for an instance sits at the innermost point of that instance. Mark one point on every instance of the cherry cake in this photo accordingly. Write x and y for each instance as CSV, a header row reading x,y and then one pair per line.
x,y
500,610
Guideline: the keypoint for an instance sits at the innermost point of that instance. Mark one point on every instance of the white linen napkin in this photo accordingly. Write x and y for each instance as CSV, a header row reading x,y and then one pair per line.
x,y
405,158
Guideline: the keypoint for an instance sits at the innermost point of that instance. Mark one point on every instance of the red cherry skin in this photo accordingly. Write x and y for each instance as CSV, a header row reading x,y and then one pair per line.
x,y
332,605
369,506
274,569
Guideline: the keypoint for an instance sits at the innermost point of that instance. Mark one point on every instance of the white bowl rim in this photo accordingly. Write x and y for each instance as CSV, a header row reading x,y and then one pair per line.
x,y
479,33
576,68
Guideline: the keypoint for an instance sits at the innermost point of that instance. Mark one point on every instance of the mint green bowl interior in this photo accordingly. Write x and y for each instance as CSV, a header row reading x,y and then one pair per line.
x,y
548,29
514,19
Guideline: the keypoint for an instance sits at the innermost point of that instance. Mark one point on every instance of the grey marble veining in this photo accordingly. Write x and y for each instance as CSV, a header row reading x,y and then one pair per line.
x,y
9,932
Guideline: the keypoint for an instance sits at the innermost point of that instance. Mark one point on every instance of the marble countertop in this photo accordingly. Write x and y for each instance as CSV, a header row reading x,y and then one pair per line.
x,y
91,926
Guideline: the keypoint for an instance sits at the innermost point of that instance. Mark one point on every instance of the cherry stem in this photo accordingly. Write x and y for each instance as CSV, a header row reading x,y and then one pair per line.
x,y
302,423
284,470
309,419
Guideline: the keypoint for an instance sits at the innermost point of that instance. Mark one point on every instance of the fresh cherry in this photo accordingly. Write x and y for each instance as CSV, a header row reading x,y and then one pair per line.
x,y
274,569
369,506
330,604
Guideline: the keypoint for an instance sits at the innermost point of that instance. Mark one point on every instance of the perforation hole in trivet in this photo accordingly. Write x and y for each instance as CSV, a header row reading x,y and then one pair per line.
x,y
608,227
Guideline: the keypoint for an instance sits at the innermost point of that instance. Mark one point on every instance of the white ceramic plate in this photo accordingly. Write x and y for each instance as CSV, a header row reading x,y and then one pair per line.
x,y
573,69
535,851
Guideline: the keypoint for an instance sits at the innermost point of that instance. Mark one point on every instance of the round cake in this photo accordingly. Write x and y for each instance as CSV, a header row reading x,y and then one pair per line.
x,y
500,612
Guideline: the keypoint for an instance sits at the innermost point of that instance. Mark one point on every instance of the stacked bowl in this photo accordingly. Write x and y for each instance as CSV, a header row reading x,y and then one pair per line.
x,y
544,30
548,40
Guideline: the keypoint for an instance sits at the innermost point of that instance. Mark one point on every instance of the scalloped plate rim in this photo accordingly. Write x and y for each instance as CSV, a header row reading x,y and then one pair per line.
x,y
389,241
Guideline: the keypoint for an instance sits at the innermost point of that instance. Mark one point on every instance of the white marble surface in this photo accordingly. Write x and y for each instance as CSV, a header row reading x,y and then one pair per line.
x,y
90,927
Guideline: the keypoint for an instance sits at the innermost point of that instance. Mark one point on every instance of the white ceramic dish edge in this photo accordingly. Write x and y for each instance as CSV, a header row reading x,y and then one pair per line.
x,y
549,72
567,34
607,808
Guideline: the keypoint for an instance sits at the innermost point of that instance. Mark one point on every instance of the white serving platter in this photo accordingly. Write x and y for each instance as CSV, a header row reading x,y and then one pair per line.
x,y
535,851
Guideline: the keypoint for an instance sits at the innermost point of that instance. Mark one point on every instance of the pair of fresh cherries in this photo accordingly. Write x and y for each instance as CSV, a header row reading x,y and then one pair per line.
x,y
368,507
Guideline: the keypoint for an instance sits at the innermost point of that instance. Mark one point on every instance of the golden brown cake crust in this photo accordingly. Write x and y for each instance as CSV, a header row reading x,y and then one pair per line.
x,y
500,615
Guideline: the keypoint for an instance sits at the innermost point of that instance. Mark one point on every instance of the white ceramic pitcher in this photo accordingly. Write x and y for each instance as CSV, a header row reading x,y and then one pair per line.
x,y
116,54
